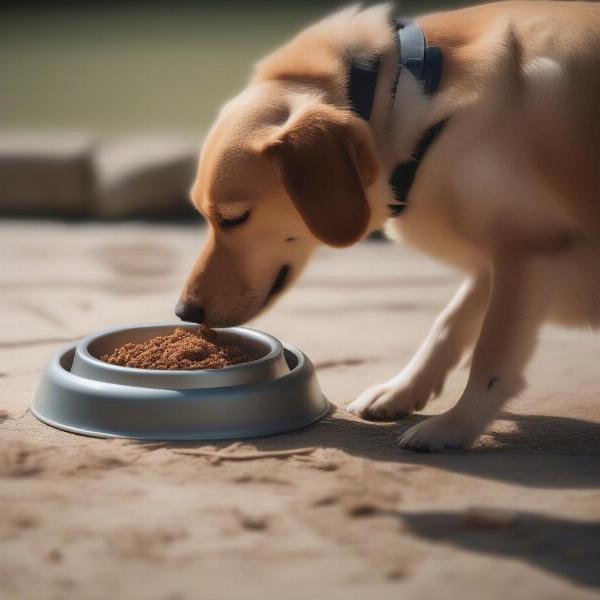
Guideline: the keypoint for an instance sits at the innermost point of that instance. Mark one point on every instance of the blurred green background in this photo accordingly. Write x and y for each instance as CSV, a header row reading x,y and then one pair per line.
x,y
113,67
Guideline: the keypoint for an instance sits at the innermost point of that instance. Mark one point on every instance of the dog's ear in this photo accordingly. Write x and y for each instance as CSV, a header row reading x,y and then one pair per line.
x,y
325,160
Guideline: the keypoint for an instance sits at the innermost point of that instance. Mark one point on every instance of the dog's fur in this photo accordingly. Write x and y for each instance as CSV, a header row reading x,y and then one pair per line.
x,y
509,193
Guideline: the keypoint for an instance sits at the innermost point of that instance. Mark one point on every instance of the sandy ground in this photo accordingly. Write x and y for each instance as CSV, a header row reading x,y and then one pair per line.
x,y
83,518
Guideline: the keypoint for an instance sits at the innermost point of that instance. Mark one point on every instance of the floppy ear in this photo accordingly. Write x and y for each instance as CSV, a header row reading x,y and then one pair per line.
x,y
324,158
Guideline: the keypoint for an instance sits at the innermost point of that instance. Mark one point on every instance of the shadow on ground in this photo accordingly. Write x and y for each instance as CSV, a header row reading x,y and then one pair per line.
x,y
536,451
569,549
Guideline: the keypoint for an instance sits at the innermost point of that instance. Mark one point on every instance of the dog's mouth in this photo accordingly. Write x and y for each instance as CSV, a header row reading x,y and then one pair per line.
x,y
279,283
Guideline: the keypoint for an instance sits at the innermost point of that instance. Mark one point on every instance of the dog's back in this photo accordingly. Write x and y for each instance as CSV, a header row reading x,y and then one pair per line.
x,y
538,65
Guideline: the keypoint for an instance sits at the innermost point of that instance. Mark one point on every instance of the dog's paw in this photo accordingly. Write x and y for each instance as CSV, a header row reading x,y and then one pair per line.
x,y
442,432
389,401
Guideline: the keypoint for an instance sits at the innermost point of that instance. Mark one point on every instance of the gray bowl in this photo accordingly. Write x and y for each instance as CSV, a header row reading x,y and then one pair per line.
x,y
275,393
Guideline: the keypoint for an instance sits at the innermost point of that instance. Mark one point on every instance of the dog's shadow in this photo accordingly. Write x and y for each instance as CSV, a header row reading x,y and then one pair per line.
x,y
533,450
567,548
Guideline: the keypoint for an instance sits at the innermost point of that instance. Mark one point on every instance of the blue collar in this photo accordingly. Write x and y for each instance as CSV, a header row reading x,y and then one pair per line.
x,y
425,63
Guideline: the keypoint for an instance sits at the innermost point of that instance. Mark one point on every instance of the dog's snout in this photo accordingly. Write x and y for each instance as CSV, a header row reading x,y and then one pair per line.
x,y
189,312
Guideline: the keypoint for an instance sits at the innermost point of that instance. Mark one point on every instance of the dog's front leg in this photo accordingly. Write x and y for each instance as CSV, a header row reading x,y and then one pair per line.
x,y
455,329
508,336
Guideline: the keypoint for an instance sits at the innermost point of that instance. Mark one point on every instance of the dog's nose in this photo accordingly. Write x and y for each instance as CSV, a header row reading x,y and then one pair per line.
x,y
189,312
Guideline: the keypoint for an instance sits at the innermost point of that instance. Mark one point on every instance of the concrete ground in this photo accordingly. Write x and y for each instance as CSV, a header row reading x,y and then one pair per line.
x,y
80,518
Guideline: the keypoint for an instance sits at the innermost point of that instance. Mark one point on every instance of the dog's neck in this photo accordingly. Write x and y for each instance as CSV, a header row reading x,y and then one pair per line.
x,y
422,61
378,93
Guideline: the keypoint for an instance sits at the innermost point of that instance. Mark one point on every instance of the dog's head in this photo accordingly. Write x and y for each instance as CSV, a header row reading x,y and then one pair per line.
x,y
281,172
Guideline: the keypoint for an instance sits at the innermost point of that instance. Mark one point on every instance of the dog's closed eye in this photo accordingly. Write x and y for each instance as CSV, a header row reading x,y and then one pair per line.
x,y
229,222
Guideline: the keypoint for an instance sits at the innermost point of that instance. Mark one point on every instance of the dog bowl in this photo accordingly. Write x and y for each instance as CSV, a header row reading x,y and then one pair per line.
x,y
276,392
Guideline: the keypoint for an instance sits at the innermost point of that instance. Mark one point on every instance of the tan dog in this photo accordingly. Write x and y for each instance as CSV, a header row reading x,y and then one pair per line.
x,y
509,191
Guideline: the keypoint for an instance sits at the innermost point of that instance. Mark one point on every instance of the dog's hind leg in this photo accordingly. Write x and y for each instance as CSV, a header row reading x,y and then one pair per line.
x,y
455,330
516,309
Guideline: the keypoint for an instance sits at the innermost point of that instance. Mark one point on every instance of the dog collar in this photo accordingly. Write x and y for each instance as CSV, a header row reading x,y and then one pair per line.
x,y
424,62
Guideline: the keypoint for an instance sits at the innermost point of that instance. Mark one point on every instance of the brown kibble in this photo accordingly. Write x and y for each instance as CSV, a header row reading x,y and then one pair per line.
x,y
184,349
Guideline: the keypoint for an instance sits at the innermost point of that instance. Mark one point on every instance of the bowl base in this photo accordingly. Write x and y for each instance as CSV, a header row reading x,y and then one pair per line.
x,y
107,410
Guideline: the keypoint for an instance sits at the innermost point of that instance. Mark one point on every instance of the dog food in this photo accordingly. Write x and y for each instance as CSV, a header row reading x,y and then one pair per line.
x,y
184,349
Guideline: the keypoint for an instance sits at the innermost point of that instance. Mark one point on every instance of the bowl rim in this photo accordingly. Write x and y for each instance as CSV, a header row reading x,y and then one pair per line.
x,y
81,349
59,376
57,370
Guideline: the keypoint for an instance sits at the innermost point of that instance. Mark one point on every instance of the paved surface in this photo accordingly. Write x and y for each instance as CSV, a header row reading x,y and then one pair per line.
x,y
83,518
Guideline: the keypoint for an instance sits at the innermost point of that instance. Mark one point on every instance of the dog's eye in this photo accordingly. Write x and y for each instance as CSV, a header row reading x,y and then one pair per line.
x,y
228,222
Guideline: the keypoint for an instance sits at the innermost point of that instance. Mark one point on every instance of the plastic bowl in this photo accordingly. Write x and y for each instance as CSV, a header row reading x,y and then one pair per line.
x,y
275,393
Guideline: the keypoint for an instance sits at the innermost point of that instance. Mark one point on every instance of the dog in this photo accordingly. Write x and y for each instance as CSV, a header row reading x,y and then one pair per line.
x,y
496,146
